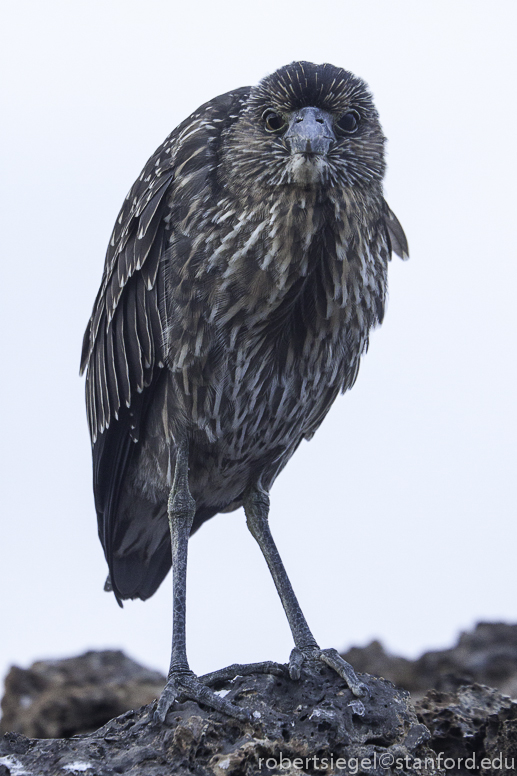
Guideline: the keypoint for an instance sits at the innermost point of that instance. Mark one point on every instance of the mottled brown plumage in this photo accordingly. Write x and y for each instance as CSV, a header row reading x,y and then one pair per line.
x,y
245,271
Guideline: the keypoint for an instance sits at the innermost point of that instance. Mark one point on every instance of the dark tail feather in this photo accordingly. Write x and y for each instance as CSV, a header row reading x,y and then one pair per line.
x,y
135,579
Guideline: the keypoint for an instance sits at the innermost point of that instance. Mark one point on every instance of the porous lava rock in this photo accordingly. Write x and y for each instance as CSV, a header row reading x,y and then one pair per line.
x,y
58,698
487,655
315,726
474,727
311,726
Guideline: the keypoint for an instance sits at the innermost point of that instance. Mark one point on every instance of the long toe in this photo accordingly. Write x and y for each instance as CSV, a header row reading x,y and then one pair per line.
x,y
183,686
243,669
333,659
165,701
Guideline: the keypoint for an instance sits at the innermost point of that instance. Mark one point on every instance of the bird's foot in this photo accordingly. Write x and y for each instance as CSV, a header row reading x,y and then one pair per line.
x,y
333,659
183,685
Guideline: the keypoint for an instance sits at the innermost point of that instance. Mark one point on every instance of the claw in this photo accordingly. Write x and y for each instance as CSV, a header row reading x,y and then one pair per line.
x,y
167,698
333,659
357,708
296,659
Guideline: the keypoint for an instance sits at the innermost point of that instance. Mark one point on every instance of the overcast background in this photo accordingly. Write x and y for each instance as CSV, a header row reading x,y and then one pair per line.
x,y
396,521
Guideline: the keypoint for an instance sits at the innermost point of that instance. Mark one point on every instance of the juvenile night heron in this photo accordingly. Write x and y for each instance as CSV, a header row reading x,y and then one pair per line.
x,y
244,273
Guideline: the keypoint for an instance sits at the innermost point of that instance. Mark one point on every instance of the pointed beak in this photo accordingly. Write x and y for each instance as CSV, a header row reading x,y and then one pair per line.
x,y
310,132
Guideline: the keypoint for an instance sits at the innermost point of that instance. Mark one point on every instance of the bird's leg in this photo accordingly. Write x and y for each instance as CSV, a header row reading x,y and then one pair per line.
x,y
182,683
181,509
256,506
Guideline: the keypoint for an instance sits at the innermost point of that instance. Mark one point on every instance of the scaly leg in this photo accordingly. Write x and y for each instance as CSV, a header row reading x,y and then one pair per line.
x,y
182,682
256,506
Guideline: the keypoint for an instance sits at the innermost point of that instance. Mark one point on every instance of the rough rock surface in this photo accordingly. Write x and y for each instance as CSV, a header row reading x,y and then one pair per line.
x,y
460,727
470,725
317,717
487,655
58,698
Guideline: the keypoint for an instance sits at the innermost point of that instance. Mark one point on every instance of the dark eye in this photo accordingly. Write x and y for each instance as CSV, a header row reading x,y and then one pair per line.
x,y
273,121
349,122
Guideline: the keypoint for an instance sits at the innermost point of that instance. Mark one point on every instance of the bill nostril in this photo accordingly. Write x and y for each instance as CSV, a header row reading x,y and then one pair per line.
x,y
310,132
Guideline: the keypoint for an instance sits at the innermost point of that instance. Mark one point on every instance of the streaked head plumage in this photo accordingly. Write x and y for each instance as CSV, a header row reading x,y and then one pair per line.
x,y
302,84
261,151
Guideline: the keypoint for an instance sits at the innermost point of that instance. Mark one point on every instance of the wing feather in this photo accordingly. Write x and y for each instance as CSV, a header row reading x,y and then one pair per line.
x,y
121,360
150,268
111,372
131,339
100,385
396,237
123,346
114,309
143,324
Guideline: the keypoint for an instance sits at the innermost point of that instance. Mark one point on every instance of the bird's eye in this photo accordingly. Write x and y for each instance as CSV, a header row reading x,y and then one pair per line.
x,y
273,121
349,122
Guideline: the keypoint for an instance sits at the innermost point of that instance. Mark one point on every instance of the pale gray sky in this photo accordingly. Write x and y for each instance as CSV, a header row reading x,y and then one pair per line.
x,y
396,521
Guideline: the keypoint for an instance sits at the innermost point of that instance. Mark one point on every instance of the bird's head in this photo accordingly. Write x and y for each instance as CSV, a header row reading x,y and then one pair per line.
x,y
306,126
